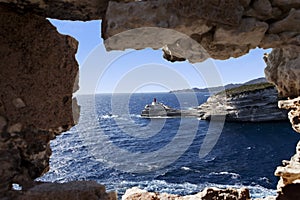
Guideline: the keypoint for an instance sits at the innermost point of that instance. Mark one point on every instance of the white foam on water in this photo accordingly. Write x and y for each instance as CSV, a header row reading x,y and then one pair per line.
x,y
233,175
186,188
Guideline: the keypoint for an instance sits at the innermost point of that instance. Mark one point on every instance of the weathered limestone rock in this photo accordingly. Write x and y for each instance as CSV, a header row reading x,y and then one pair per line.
x,y
286,4
261,9
288,24
121,16
80,190
62,9
294,114
283,70
250,32
195,19
289,174
154,19
220,31
206,194
38,70
253,106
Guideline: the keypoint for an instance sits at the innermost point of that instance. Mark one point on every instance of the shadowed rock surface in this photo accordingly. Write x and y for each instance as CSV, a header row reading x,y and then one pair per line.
x,y
61,9
35,96
83,190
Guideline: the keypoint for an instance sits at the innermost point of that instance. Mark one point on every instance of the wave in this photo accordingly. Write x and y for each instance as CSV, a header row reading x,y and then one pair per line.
x,y
109,116
186,168
116,116
233,175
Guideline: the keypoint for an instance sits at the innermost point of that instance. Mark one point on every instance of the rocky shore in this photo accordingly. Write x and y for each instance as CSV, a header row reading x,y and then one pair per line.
x,y
206,194
251,103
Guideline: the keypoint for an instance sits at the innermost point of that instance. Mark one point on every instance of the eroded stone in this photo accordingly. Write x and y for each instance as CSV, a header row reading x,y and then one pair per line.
x,y
293,105
289,176
207,194
283,69
288,24
62,9
15,128
250,32
37,73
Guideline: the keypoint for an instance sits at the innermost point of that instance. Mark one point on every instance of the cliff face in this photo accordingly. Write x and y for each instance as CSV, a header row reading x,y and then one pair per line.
x,y
38,69
254,106
283,69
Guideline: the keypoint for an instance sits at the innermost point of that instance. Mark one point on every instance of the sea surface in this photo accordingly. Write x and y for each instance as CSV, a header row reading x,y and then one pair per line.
x,y
114,146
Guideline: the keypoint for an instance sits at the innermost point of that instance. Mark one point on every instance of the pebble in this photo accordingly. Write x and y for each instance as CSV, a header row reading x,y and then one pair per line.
x,y
15,128
19,103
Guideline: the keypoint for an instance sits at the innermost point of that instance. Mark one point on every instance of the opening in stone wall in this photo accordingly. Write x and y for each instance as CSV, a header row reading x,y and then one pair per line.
x,y
116,146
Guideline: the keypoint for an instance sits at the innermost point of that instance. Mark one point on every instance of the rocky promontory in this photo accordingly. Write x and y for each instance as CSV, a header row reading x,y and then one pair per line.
x,y
247,103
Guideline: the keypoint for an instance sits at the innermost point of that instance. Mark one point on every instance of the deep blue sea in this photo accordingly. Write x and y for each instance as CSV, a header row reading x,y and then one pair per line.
x,y
114,146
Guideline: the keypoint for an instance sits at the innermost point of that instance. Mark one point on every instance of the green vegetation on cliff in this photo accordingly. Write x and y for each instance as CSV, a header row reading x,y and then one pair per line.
x,y
245,89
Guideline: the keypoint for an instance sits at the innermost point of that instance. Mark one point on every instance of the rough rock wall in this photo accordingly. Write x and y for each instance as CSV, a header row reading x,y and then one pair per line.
x,y
37,76
61,9
288,186
293,105
224,28
283,69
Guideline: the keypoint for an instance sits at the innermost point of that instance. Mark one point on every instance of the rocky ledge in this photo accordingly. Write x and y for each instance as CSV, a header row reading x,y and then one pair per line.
x,y
288,186
293,105
253,103
206,194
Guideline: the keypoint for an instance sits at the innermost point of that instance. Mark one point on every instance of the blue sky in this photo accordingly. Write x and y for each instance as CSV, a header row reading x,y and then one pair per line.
x,y
96,76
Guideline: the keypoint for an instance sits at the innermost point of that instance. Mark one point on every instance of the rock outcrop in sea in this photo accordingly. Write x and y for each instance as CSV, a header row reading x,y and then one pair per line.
x,y
248,103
